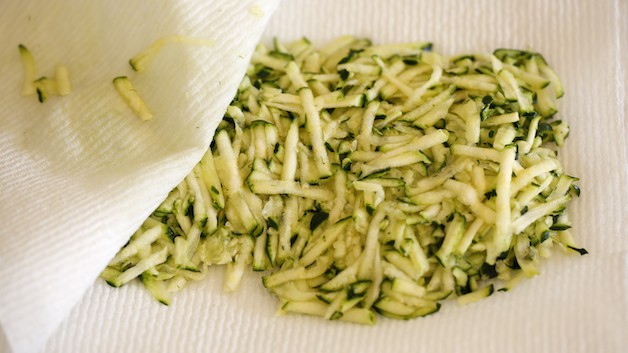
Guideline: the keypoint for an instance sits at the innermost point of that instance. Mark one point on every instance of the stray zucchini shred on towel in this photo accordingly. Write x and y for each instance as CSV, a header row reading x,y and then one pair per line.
x,y
127,91
139,62
366,179
43,86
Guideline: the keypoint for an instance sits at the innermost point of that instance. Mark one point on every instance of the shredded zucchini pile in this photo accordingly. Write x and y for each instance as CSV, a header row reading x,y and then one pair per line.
x,y
369,178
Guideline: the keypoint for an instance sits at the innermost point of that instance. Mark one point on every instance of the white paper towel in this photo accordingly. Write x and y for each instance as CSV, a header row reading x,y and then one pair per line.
x,y
577,304
79,174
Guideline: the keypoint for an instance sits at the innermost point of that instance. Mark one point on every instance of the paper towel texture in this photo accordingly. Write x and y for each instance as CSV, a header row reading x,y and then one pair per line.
x,y
79,174
577,304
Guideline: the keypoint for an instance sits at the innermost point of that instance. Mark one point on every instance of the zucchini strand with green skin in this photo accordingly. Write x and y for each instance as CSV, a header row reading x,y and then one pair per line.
x,y
211,179
369,179
28,63
42,87
127,91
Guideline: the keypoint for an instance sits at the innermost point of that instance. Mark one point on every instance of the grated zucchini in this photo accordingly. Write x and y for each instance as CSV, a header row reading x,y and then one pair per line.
x,y
369,179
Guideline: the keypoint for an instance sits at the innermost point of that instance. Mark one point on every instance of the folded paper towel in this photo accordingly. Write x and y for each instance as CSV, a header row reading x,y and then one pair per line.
x,y
576,305
78,174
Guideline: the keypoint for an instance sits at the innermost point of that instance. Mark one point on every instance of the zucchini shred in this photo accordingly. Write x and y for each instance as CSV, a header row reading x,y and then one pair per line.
x,y
365,179
42,87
